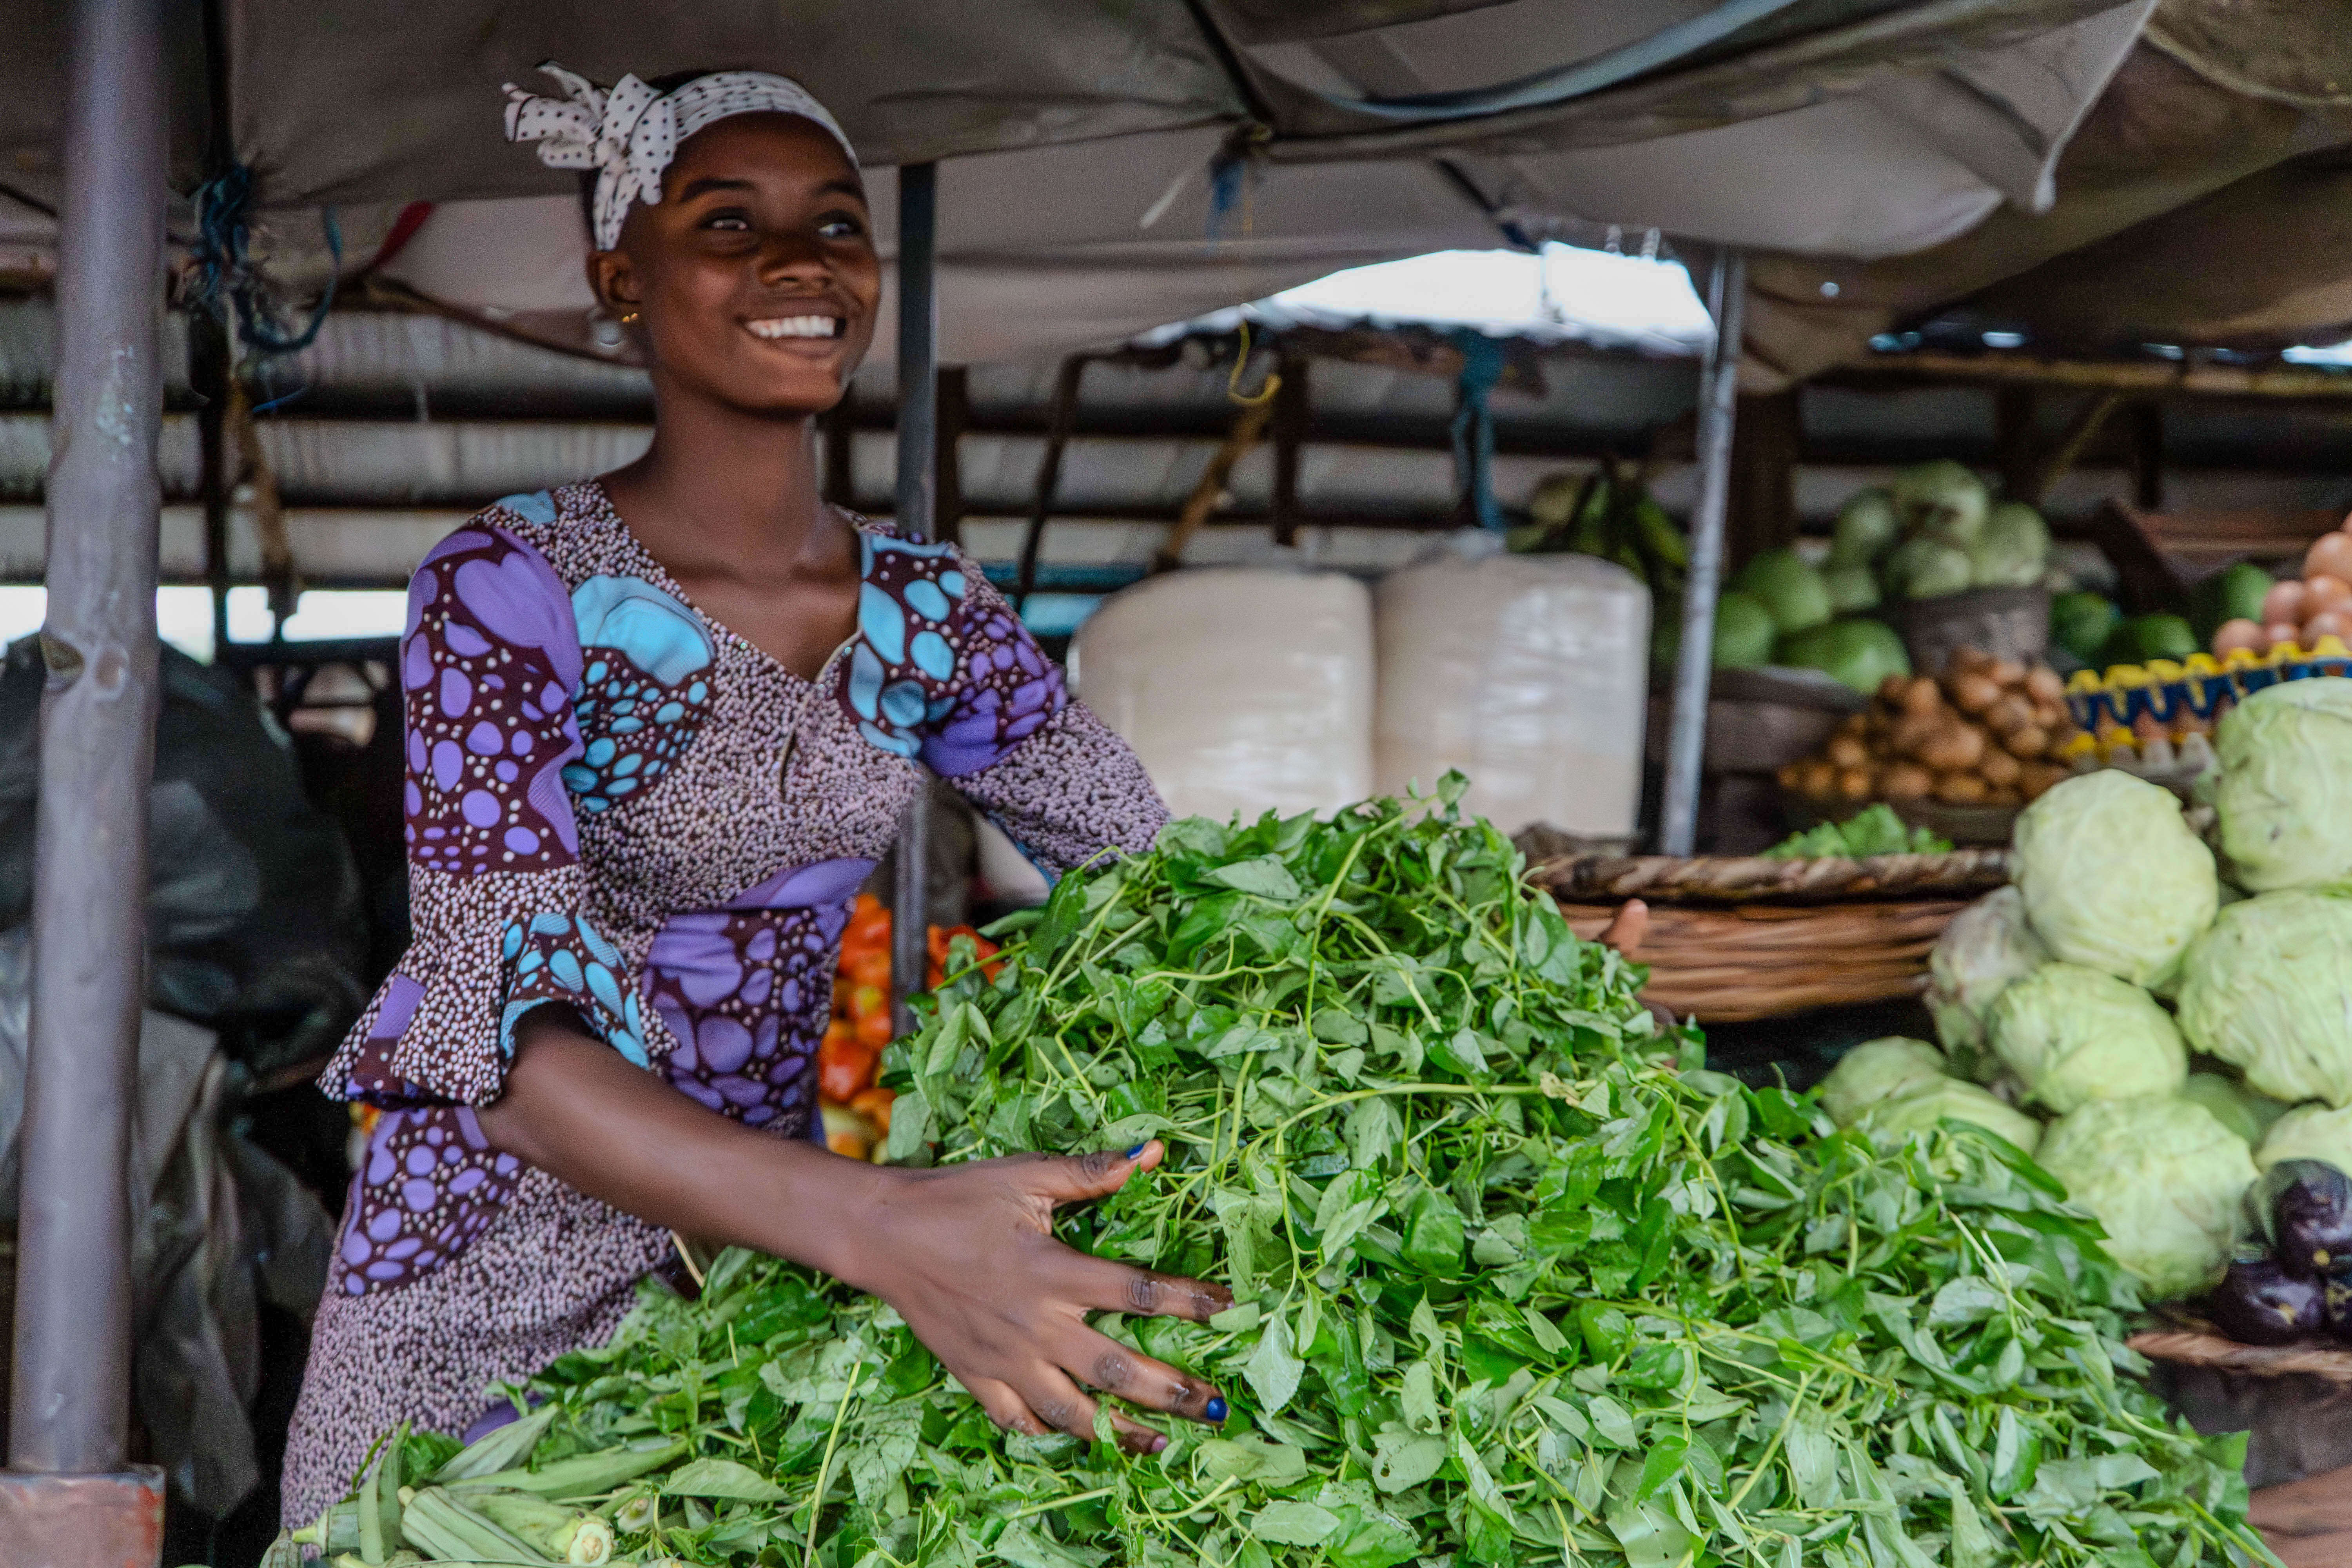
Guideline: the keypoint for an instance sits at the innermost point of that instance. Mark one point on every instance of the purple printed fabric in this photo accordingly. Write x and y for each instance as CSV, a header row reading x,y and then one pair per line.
x,y
941,668
432,1183
747,992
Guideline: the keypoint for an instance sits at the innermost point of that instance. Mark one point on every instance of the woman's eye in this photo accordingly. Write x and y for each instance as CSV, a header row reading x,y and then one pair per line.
x,y
840,229
731,223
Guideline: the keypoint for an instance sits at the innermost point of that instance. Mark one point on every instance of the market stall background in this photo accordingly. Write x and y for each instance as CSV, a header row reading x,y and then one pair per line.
x,y
2012,183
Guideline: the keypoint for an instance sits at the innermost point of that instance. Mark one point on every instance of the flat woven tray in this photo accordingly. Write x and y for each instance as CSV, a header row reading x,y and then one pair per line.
x,y
1762,961
1751,879
2189,1347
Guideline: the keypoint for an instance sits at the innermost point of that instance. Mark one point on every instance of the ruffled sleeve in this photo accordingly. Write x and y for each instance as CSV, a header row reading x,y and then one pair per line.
x,y
490,662
944,671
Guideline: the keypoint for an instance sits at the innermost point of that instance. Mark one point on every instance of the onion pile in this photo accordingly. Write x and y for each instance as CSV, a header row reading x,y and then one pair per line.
x,y
1991,732
2300,614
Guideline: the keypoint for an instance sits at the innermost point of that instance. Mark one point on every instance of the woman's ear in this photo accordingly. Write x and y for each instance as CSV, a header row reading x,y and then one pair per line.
x,y
612,281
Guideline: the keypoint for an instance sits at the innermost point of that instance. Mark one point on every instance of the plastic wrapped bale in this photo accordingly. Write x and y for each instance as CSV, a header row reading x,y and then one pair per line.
x,y
1242,690
1528,673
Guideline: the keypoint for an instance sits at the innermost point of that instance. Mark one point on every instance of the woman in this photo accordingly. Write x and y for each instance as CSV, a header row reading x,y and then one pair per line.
x,y
660,725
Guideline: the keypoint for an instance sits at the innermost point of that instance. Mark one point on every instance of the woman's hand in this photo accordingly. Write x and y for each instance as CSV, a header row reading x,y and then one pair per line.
x,y
1628,928
967,1256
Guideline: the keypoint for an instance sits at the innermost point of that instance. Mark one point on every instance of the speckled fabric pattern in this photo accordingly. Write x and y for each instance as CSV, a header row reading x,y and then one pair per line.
x,y
617,804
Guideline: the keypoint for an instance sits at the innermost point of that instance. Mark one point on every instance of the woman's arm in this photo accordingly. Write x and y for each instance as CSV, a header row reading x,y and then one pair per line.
x,y
965,1253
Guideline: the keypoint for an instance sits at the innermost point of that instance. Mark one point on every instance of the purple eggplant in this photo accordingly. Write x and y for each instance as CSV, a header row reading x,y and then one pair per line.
x,y
2306,1207
2259,1303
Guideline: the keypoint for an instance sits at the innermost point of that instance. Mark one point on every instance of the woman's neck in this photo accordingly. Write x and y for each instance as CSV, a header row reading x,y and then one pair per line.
x,y
723,489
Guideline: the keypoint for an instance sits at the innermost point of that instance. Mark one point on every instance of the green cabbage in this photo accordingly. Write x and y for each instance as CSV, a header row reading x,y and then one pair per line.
x,y
1866,528
1925,1104
1860,652
2073,1035
2309,1132
2285,795
1876,1071
1987,945
2238,1107
1744,632
2112,876
2014,550
1851,589
1943,501
1791,591
2163,1177
2266,991
1925,568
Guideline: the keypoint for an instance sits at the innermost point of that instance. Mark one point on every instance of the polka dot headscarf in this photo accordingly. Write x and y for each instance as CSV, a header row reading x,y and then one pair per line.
x,y
629,134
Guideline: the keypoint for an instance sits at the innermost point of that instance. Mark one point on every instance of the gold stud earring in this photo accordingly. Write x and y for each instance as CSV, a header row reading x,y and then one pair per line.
x,y
629,318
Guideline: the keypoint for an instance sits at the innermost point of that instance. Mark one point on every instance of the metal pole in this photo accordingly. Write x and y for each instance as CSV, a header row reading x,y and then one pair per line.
x,y
918,409
1727,291
69,1404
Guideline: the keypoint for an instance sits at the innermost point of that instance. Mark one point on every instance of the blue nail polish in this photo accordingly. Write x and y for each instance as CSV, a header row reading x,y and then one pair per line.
x,y
1214,1410
1137,1152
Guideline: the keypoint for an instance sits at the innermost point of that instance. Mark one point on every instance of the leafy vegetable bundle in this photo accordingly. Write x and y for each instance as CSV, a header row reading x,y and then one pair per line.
x,y
1515,1276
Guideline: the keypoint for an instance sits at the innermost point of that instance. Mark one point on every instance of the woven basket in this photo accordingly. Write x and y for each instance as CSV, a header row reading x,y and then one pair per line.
x,y
1752,879
1761,961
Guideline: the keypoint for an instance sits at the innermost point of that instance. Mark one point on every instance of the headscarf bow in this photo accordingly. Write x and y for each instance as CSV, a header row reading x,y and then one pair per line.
x,y
630,133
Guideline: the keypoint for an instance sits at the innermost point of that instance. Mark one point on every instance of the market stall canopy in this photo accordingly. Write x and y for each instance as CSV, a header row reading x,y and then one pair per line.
x,y
2199,203
1115,166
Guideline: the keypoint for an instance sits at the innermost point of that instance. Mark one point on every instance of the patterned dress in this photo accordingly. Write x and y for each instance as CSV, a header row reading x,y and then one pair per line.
x,y
616,804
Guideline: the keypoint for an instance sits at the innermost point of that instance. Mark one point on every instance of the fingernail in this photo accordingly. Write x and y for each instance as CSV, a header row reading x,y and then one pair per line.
x,y
1137,1152
1215,1409
1157,1444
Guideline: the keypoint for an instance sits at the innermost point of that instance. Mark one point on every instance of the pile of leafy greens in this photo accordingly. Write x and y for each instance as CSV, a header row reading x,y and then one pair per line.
x,y
1873,830
1515,1278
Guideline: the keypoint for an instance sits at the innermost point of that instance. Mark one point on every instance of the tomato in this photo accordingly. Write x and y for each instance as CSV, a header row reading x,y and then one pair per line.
x,y
867,969
873,1104
874,1028
842,1074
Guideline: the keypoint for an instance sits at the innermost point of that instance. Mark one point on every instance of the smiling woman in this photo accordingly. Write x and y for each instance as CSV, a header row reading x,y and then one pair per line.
x,y
659,727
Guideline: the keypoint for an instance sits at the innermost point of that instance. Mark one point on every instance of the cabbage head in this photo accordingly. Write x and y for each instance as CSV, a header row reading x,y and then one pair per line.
x,y
1925,1104
2249,1115
2308,1132
2073,1035
1866,528
1876,1071
2014,550
2163,1177
2112,876
2286,794
1944,501
1925,568
1987,945
2269,991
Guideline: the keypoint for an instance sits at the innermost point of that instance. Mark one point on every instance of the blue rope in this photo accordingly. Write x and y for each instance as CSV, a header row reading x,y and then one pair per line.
x,y
226,272
1474,424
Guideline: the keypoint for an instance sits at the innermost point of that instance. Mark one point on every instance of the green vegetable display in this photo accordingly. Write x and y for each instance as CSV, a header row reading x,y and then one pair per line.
x,y
2249,1115
1744,632
1859,653
1516,1280
2081,622
2285,795
2165,1179
1987,946
2112,876
2073,1035
1922,1106
1942,501
1791,592
1873,830
1876,1070
2264,991
2308,1132
1866,530
2014,550
2144,638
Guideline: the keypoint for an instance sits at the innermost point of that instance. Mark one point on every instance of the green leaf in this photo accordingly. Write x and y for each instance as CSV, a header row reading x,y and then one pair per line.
x,y
1433,1234
2016,1457
1374,1128
1352,1201
1266,875
1418,1395
1663,1463
1402,1458
708,1477
1294,1523
1274,1368
1252,1458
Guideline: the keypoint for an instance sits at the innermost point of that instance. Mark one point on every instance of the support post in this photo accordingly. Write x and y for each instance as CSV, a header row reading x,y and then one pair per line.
x,y
70,1400
919,363
1726,292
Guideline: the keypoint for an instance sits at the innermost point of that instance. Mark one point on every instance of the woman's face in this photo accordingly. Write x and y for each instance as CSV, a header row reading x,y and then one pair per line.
x,y
754,279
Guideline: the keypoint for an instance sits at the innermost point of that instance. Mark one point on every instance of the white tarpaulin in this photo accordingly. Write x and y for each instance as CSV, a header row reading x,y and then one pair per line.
x,y
1382,128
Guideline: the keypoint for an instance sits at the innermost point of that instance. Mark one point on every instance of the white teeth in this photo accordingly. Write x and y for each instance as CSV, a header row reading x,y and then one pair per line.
x,y
796,327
